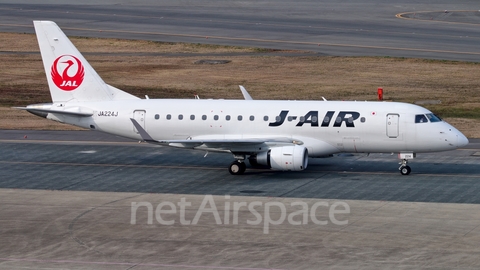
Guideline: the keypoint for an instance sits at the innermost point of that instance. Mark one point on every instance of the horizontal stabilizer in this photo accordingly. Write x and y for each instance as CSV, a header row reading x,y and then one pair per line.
x,y
40,111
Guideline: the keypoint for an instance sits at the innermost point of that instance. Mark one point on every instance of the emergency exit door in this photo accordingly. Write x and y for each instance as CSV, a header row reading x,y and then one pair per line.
x,y
392,125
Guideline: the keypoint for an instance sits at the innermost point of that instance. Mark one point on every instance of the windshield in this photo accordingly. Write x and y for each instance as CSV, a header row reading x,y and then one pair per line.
x,y
433,118
425,118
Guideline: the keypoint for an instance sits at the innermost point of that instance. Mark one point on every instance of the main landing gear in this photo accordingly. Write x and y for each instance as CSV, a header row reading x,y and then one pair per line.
x,y
237,167
404,168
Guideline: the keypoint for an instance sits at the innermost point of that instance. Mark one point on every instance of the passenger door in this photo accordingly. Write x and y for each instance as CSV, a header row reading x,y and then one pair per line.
x,y
392,125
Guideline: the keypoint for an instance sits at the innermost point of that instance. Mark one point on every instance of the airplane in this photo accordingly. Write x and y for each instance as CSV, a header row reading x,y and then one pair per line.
x,y
278,134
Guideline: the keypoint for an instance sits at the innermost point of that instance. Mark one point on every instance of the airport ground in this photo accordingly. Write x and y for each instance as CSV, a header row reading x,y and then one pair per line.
x,y
67,204
66,196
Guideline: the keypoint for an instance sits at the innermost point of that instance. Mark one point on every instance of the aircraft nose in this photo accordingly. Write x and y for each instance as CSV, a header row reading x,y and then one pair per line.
x,y
461,140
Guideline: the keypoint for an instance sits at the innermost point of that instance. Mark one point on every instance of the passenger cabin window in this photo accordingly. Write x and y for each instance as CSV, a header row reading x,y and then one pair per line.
x,y
215,117
180,116
169,116
157,116
204,117
192,117
252,117
227,117
265,118
433,118
421,118
239,118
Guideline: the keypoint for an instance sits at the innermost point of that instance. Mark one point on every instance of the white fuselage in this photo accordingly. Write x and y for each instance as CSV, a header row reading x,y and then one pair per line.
x,y
324,127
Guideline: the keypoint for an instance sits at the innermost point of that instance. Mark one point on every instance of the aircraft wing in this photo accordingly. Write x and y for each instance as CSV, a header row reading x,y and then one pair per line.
x,y
234,145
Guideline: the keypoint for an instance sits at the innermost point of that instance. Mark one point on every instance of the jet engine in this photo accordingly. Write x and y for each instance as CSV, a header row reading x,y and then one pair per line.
x,y
283,158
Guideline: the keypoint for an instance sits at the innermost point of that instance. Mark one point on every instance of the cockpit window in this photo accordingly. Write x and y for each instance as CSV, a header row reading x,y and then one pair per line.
x,y
421,118
433,118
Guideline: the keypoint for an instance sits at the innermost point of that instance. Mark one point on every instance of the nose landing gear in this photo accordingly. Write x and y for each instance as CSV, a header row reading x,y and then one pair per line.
x,y
404,168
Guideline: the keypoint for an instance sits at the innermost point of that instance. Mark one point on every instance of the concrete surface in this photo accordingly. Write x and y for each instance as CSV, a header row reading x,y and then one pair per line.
x,y
66,201
93,230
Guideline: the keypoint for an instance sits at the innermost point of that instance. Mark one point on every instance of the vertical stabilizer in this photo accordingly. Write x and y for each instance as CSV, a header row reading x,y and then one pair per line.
x,y
70,77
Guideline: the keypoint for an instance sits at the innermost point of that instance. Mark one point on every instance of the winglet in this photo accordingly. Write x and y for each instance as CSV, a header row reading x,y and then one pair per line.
x,y
245,94
145,136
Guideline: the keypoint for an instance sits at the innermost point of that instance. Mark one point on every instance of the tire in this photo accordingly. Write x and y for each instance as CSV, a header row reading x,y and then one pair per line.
x,y
237,168
405,170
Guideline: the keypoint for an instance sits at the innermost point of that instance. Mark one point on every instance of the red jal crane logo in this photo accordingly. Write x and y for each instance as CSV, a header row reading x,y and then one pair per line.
x,y
67,72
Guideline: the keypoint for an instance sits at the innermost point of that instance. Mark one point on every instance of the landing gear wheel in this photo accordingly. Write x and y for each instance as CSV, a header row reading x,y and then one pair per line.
x,y
405,170
237,167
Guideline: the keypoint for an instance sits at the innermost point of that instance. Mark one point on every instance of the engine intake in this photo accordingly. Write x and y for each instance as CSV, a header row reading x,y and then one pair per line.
x,y
284,158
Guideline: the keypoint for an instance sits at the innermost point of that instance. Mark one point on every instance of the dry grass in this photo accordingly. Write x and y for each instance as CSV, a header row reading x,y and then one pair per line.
x,y
28,43
266,76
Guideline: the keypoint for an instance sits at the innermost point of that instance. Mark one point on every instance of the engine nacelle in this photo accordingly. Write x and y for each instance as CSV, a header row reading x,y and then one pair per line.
x,y
284,158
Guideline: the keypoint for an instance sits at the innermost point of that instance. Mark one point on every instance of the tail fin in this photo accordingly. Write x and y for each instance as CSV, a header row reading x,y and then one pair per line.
x,y
70,77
